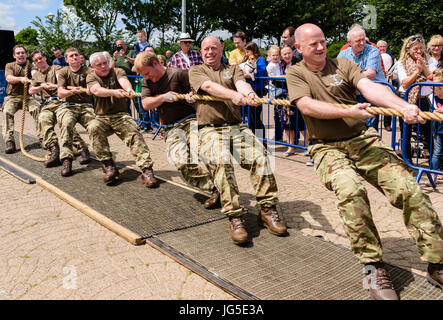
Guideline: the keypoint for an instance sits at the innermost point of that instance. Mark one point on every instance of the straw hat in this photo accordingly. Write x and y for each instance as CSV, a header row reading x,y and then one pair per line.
x,y
184,36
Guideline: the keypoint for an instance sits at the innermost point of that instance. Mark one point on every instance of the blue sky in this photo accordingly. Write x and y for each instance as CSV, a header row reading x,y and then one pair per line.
x,y
16,15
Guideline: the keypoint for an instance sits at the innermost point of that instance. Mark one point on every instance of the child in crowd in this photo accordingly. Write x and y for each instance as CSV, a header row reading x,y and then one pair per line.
x,y
274,67
436,100
141,44
274,70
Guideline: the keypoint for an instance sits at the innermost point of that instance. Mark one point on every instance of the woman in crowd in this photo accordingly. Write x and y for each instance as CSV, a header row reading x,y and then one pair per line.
x,y
255,113
413,68
290,119
435,47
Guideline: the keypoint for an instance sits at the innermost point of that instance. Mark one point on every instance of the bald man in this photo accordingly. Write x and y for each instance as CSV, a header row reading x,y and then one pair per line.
x,y
344,149
221,130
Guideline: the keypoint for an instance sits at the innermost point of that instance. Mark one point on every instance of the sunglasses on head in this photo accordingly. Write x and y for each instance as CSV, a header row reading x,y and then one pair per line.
x,y
416,38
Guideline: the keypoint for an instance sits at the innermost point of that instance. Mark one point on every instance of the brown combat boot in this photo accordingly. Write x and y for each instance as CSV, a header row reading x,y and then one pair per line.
x,y
379,282
66,167
435,275
10,147
213,201
110,170
237,230
54,160
85,156
270,218
148,178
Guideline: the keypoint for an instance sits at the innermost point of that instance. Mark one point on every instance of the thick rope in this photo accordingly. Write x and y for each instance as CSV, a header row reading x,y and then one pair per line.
x,y
24,108
282,102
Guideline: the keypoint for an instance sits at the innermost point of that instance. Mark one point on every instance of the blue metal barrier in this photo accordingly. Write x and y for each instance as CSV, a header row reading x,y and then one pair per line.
x,y
152,114
420,170
3,85
276,88
394,144
283,119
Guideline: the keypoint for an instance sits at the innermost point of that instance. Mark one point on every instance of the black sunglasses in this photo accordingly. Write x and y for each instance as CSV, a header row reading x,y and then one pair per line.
x,y
416,38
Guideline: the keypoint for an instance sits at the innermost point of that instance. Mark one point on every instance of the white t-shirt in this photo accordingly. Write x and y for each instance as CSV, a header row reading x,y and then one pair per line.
x,y
401,72
387,61
432,64
274,69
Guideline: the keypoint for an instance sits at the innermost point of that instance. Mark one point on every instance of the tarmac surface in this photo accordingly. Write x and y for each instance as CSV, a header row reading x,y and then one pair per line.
x,y
50,250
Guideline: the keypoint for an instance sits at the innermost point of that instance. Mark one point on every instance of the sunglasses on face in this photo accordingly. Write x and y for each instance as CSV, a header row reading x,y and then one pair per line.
x,y
187,42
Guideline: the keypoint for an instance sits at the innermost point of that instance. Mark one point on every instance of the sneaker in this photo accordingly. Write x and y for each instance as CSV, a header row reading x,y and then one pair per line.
x,y
306,154
310,163
434,179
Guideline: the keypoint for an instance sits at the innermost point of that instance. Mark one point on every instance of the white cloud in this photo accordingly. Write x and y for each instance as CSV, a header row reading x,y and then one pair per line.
x,y
7,21
33,5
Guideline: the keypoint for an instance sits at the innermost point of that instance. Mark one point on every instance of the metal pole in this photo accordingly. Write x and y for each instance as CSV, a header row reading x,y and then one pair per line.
x,y
183,15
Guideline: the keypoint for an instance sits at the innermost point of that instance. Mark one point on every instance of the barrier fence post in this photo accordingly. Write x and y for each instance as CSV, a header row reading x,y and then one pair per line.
x,y
406,127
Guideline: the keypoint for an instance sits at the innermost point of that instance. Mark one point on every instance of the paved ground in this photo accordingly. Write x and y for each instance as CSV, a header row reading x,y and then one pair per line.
x,y
49,250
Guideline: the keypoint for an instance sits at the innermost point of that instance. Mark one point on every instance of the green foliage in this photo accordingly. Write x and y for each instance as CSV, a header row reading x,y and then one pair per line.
x,y
263,18
161,14
62,32
399,19
229,44
101,15
334,48
27,37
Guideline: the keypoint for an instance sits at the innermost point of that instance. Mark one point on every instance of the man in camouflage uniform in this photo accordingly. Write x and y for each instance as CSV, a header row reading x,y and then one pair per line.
x,y
111,88
221,130
15,75
76,107
44,81
159,88
343,149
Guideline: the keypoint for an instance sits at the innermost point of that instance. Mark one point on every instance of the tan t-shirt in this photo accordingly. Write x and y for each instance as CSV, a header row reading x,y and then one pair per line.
x,y
176,80
216,112
336,83
16,70
68,78
47,76
108,105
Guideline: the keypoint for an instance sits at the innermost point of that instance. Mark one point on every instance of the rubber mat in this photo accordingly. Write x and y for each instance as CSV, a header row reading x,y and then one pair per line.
x,y
296,267
144,211
299,267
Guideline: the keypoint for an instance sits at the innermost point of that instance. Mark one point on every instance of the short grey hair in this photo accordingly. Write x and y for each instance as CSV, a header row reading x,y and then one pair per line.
x,y
355,28
99,55
379,42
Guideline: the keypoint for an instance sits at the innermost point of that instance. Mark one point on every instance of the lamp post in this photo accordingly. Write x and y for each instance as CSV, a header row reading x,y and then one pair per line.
x,y
183,16
51,15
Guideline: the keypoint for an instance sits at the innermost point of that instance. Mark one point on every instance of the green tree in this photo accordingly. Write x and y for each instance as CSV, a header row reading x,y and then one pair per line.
x,y
27,37
399,19
160,17
62,31
202,17
262,18
101,15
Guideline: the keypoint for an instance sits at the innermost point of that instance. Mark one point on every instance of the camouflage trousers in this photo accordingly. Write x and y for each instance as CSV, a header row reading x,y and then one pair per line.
x,y
101,127
10,106
178,150
47,121
218,146
67,116
338,165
